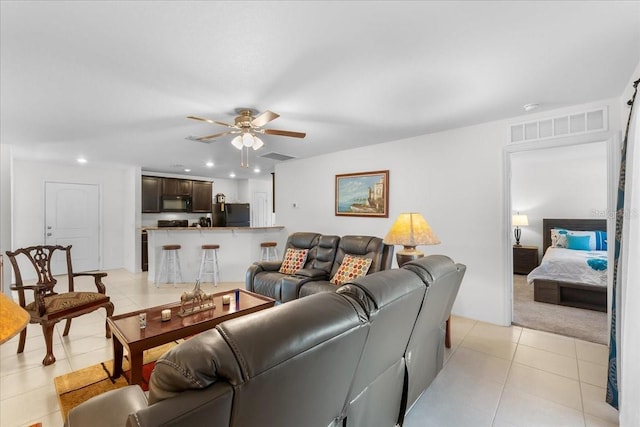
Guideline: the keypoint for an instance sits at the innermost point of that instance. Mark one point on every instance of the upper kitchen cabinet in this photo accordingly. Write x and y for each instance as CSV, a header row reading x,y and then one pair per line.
x,y
176,187
151,187
201,196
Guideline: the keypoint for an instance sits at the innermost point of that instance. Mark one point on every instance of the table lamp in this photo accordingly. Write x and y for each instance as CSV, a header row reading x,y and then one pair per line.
x,y
13,318
410,230
518,220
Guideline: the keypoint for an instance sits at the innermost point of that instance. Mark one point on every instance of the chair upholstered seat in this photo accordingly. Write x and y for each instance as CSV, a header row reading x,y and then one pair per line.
x,y
71,300
268,284
315,287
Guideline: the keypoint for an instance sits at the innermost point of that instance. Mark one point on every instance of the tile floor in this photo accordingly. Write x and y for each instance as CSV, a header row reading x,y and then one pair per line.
x,y
493,375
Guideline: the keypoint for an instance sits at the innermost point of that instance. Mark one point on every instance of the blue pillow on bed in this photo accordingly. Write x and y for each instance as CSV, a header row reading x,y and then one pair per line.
x,y
578,243
601,240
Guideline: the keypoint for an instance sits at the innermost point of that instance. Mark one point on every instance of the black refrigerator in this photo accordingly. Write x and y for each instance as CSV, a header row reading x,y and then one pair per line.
x,y
233,215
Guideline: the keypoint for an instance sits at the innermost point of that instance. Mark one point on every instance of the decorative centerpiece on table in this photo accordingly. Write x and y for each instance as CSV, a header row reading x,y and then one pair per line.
x,y
198,299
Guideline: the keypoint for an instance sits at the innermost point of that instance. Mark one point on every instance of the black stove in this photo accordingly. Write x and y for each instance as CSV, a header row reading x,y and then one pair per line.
x,y
173,223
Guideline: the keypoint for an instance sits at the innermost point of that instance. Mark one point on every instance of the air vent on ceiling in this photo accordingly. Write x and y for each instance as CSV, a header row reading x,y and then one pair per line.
x,y
277,156
559,126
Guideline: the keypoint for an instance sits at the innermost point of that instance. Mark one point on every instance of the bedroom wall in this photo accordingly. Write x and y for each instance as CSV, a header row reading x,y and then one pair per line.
x,y
454,178
561,182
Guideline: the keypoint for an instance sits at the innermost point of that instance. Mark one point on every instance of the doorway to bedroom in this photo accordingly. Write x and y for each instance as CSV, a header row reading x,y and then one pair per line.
x,y
569,181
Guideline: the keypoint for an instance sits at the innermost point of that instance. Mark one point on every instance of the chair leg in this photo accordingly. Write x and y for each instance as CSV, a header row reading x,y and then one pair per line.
x,y
67,326
109,308
23,340
47,331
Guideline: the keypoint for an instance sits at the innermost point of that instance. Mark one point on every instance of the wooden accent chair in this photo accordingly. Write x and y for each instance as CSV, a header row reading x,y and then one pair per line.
x,y
49,307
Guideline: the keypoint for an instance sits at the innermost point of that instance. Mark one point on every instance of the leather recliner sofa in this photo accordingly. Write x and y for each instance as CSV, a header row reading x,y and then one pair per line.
x,y
325,256
356,357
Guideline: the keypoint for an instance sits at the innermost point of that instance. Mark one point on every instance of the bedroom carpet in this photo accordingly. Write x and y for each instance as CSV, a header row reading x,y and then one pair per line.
x,y
579,323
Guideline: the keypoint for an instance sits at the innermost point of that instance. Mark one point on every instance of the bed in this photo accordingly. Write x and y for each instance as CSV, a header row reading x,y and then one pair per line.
x,y
577,289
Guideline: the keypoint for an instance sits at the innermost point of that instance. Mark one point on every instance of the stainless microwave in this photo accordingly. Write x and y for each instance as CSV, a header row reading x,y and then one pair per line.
x,y
175,204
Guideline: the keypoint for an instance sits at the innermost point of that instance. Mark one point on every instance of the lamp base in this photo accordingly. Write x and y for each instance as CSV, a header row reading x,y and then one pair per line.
x,y
408,254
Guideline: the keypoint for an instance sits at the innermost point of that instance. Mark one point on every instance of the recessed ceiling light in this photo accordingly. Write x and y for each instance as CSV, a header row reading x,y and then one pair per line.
x,y
232,175
209,164
530,107
187,170
81,160
256,170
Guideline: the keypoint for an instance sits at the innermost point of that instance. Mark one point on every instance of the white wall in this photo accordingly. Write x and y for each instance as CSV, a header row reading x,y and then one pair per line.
x,y
560,182
6,162
454,178
116,188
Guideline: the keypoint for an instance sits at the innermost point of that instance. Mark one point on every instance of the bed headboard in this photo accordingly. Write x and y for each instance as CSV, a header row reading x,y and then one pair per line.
x,y
569,224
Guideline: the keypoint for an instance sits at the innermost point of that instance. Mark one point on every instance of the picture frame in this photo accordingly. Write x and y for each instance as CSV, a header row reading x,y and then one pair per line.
x,y
364,194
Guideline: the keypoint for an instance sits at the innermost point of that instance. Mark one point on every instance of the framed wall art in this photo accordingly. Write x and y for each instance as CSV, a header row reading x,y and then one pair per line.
x,y
363,194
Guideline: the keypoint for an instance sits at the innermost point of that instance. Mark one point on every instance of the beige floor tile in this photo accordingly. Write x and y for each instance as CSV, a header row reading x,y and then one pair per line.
x,y
551,387
593,373
504,349
592,352
486,330
547,361
522,409
591,421
593,399
24,380
478,365
549,342
23,408
53,419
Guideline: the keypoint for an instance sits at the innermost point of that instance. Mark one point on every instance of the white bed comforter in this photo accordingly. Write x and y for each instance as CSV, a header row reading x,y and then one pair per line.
x,y
569,265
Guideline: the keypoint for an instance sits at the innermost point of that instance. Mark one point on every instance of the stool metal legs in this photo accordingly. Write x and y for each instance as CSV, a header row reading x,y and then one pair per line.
x,y
269,253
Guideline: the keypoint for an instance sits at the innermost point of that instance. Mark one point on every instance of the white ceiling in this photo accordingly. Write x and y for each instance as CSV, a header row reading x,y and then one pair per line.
x,y
114,81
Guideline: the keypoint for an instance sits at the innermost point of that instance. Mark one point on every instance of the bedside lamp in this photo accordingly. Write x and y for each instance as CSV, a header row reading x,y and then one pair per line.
x,y
518,220
410,230
13,318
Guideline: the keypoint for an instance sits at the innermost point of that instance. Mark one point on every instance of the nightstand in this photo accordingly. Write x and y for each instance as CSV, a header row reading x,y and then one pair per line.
x,y
525,259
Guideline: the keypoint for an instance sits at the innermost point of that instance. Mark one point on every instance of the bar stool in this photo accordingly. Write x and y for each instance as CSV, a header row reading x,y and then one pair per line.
x,y
269,252
210,259
169,265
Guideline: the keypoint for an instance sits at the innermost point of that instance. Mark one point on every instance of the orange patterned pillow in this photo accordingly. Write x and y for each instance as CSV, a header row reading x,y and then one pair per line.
x,y
351,268
293,261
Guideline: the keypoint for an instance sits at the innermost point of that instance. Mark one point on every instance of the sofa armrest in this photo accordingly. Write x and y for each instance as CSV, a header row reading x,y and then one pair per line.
x,y
209,407
258,267
290,285
114,408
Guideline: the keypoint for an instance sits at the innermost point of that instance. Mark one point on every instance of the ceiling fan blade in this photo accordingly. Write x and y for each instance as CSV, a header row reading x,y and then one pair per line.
x,y
215,135
264,118
285,133
213,122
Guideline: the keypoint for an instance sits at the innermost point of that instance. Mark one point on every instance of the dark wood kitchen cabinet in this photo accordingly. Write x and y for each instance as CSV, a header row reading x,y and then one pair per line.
x,y
145,252
176,187
201,196
151,186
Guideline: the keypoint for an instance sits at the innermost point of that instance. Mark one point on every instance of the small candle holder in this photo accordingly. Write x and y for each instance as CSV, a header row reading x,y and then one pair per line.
x,y
226,300
142,319
165,315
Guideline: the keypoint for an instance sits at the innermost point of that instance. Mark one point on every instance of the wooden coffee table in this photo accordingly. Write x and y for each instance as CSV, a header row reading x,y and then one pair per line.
x,y
127,332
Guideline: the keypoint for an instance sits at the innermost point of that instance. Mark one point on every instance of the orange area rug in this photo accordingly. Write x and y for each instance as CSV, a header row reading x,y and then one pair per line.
x,y
77,386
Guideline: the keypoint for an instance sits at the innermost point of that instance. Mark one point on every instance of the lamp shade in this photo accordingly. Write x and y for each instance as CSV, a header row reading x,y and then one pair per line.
x,y
519,220
411,229
13,318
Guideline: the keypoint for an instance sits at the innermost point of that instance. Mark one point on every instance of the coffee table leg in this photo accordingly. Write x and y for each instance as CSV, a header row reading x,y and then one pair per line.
x,y
117,357
136,368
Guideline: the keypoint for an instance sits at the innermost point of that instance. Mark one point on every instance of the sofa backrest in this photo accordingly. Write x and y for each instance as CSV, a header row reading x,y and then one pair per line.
x,y
325,254
391,299
362,246
290,366
304,240
442,277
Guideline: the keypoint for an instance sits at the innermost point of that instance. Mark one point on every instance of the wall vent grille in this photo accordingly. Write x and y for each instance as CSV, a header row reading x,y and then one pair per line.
x,y
566,125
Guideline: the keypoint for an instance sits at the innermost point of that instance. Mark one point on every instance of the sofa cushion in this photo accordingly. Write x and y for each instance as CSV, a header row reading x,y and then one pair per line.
x,y
293,261
268,283
351,268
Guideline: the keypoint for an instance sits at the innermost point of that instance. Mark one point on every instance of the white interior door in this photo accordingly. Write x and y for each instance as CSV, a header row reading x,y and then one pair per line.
x,y
259,210
72,217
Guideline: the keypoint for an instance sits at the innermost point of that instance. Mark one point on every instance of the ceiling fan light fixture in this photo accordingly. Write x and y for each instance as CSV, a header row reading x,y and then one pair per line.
x,y
247,139
237,142
257,143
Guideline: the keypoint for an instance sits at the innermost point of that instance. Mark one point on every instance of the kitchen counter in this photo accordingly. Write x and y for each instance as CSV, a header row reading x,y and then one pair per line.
x,y
239,248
